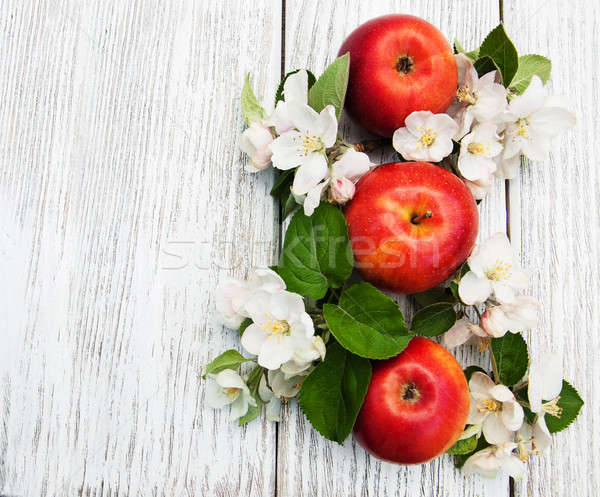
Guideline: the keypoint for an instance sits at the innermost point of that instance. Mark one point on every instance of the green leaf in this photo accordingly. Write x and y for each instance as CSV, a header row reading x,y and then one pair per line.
x,y
253,382
484,65
316,252
230,359
245,323
571,403
512,359
251,108
434,320
330,88
332,395
434,295
473,54
528,66
472,369
465,446
367,322
279,93
289,206
498,46
283,184
461,459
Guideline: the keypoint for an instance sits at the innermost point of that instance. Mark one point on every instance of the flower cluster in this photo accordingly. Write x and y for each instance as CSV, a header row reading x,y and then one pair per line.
x,y
494,278
278,331
498,414
296,137
488,125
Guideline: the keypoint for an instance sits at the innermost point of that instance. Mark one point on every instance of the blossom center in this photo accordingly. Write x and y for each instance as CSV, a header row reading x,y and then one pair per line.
x,y
500,271
427,137
465,94
489,406
552,408
522,128
308,144
231,392
476,148
276,328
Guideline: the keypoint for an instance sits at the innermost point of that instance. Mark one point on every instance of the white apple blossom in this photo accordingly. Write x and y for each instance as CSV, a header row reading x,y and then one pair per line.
x,y
280,389
304,357
229,388
255,142
493,271
521,315
495,408
533,119
425,137
280,328
545,385
305,145
345,171
232,294
480,99
533,439
477,150
490,461
462,332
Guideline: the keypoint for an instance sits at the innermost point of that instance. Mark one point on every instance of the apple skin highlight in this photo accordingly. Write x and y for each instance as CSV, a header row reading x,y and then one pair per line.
x,y
416,406
411,225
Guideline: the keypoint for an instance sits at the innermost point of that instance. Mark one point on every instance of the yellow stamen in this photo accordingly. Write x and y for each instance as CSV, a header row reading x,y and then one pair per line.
x,y
552,408
427,137
489,406
500,271
309,143
476,148
465,94
523,128
231,392
276,328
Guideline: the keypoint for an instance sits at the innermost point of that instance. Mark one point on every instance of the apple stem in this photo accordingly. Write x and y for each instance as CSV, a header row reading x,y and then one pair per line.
x,y
422,217
494,365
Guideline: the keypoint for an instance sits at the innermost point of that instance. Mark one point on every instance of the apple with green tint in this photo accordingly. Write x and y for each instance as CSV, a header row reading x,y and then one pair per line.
x,y
416,406
398,64
411,225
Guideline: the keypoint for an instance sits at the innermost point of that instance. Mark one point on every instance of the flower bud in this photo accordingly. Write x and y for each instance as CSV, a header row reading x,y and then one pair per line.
x,y
342,190
255,143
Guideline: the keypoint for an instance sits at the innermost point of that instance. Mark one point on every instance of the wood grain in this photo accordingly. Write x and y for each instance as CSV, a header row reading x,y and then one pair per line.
x,y
123,200
308,465
555,222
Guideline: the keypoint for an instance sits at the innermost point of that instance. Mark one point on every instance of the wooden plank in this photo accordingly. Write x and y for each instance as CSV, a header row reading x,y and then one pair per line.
x,y
559,234
123,200
307,464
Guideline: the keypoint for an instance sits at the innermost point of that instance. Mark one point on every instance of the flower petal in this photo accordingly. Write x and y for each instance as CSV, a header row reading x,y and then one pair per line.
x,y
275,352
481,383
286,154
473,290
328,126
215,396
417,119
253,338
239,408
501,393
352,165
494,430
512,415
313,197
273,410
310,174
228,378
457,335
295,88
304,118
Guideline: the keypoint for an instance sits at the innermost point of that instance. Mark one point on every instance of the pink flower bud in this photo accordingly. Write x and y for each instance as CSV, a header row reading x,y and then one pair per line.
x,y
255,142
342,190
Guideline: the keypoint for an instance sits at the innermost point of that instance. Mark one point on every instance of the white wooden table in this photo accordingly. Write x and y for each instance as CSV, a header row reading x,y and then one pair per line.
x,y
123,200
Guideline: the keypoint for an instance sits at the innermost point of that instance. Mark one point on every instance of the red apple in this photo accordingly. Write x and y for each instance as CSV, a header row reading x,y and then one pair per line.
x,y
416,406
398,64
411,224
